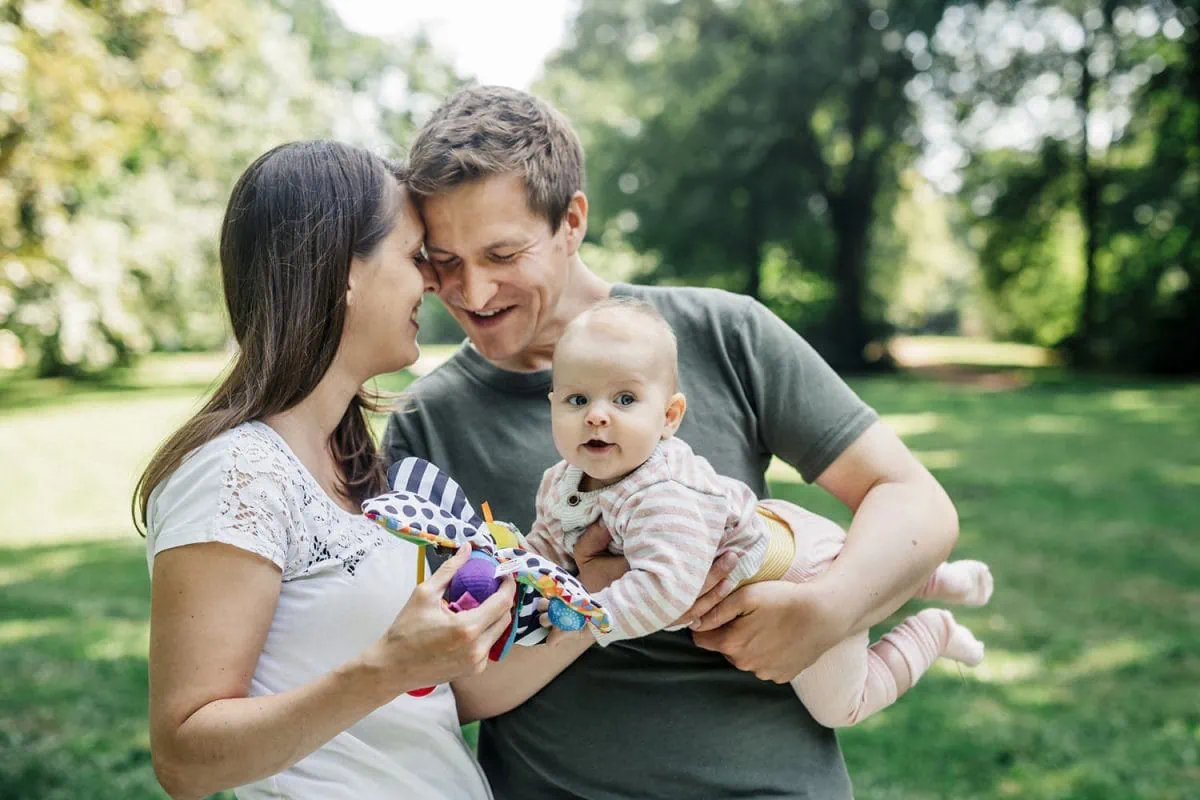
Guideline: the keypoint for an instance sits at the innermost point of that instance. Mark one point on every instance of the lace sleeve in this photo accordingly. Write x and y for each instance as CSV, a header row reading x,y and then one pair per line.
x,y
234,490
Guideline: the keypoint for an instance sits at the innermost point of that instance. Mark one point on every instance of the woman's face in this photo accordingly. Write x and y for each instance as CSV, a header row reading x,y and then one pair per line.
x,y
385,292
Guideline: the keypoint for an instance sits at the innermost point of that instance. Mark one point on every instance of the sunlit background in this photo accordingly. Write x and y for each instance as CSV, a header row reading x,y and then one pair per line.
x,y
984,214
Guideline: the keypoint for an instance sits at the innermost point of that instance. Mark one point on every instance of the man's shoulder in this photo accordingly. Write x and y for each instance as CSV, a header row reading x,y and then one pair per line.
x,y
689,300
708,322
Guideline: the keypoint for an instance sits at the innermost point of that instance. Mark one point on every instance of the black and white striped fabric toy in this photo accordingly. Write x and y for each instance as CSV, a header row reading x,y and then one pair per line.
x,y
426,506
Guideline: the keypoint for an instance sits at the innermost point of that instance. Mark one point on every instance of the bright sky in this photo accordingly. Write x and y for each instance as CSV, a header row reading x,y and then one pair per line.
x,y
496,41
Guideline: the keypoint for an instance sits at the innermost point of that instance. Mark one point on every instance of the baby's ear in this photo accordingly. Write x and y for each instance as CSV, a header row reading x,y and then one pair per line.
x,y
550,397
676,408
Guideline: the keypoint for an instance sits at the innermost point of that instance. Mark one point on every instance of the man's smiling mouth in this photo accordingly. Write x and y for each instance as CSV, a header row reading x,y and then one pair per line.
x,y
489,314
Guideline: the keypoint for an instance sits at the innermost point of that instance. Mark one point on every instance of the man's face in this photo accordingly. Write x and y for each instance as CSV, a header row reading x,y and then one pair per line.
x,y
502,269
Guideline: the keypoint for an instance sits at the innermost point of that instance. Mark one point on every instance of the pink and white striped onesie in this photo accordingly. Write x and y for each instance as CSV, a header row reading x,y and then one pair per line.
x,y
671,518
674,515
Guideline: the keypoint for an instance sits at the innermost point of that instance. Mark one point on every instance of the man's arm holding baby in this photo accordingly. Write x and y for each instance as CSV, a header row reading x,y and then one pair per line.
x,y
904,525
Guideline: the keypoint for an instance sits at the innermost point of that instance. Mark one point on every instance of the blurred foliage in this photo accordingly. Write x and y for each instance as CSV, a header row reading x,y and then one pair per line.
x,y
1086,225
773,147
751,145
1077,489
760,146
124,126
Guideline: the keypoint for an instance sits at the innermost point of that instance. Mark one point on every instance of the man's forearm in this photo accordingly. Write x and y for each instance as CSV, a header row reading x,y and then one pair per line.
x,y
899,535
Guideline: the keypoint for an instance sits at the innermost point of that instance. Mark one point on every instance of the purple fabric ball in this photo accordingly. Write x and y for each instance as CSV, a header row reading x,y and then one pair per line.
x,y
477,576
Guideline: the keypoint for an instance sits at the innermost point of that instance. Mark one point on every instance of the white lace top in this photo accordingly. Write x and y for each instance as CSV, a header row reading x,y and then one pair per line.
x,y
344,581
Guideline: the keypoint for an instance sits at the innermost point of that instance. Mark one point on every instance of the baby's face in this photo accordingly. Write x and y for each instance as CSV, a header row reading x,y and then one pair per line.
x,y
610,404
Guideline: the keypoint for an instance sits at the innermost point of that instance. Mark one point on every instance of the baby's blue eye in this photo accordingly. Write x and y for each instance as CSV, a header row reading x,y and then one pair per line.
x,y
577,400
626,399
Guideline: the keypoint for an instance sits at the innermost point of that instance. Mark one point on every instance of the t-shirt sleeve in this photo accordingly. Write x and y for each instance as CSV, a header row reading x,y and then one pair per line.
x,y
670,534
211,498
807,415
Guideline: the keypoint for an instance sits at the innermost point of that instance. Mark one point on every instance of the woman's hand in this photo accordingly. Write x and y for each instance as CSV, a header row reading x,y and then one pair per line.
x,y
428,644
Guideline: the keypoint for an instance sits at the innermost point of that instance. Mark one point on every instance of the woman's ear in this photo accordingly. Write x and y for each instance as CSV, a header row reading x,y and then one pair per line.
x,y
352,279
676,408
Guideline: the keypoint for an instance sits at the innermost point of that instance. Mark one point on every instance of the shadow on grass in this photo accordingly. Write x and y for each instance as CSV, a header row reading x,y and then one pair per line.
x,y
22,394
1079,492
1081,497
73,706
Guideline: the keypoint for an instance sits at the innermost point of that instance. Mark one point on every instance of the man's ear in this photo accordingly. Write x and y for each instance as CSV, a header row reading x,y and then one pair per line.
x,y
576,222
676,408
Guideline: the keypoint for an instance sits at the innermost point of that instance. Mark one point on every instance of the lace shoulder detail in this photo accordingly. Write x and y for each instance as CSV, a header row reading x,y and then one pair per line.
x,y
256,507
267,493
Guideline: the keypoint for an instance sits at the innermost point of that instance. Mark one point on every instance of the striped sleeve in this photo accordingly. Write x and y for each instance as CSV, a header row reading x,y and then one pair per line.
x,y
546,536
671,534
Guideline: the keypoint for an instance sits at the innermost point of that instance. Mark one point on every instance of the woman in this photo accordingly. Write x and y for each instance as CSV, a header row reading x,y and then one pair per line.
x,y
285,627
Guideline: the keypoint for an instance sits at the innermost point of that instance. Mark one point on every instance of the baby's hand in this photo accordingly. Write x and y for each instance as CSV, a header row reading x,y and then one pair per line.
x,y
556,634
597,566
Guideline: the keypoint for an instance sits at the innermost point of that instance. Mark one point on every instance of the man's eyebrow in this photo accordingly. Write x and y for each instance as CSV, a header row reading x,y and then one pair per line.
x,y
499,244
505,244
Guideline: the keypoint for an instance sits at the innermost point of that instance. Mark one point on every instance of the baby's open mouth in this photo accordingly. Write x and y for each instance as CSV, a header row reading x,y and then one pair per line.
x,y
597,446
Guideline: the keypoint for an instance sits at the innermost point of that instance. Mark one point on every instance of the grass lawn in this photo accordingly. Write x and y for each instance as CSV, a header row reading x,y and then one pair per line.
x,y
1081,493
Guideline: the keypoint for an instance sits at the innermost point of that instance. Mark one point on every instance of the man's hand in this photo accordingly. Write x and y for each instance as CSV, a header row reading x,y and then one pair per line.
x,y
717,587
773,629
597,566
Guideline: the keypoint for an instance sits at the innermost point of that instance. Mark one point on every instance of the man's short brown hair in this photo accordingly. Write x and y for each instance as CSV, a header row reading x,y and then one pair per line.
x,y
494,130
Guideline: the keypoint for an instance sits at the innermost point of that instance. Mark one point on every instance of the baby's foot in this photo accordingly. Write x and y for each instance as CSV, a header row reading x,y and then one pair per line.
x,y
967,583
961,645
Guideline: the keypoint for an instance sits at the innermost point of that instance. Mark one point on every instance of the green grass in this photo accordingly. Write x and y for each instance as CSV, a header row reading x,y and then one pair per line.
x,y
1080,492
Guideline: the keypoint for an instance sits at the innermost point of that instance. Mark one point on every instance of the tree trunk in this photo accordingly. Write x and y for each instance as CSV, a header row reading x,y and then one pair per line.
x,y
754,236
848,332
1089,206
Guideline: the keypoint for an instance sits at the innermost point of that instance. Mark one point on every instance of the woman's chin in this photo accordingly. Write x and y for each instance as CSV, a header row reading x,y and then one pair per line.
x,y
405,358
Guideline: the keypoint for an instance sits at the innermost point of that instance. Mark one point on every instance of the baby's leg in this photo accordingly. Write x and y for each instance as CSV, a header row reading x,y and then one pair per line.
x,y
967,583
852,681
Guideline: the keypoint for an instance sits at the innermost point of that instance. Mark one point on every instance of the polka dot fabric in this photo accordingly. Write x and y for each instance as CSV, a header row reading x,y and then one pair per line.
x,y
428,507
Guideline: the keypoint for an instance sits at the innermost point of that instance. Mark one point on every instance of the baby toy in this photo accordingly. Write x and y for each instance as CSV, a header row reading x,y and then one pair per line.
x,y
428,508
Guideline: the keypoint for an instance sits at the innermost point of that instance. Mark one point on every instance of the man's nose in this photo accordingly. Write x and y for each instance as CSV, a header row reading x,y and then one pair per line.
x,y
477,288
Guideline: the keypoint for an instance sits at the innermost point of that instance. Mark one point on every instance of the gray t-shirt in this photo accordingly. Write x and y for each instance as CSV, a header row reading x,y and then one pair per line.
x,y
655,717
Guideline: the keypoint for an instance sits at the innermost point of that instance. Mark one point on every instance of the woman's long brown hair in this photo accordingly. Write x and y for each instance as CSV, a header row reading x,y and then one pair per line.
x,y
295,219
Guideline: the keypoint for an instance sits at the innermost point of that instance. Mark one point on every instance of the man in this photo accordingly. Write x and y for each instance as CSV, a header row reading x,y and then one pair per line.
x,y
500,177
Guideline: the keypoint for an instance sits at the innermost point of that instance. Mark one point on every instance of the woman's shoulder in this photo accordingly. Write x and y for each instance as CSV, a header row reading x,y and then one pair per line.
x,y
249,449
238,487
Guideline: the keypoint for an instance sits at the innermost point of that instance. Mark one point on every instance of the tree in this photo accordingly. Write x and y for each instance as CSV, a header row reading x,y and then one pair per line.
x,y
124,127
1081,214
736,134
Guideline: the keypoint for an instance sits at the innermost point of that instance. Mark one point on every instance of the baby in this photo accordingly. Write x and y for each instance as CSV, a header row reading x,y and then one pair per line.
x,y
615,410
